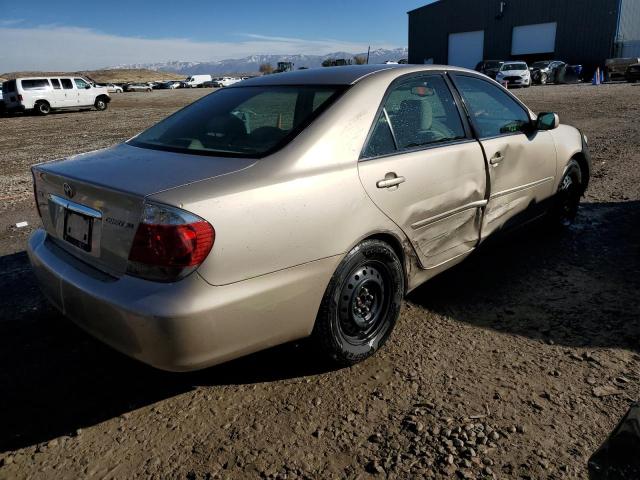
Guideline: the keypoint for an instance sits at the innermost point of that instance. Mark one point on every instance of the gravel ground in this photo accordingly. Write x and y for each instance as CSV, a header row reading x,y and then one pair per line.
x,y
515,364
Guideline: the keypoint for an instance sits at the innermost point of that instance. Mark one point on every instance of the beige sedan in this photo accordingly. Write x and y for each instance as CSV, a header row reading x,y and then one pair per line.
x,y
303,204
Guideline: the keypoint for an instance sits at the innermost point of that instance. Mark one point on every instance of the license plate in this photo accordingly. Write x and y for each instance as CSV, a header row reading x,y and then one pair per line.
x,y
77,229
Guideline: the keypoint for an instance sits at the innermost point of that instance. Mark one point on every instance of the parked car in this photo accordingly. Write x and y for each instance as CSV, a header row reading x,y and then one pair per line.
x,y
546,71
209,84
195,81
44,94
514,74
225,81
489,67
113,88
137,87
294,205
2,106
616,68
632,74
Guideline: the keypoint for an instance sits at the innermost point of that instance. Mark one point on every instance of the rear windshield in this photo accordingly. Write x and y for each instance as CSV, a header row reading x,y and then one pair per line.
x,y
9,87
514,66
241,121
36,84
491,64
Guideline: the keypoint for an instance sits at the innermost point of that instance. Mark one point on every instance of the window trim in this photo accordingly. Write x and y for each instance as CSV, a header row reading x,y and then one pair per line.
x,y
468,132
467,111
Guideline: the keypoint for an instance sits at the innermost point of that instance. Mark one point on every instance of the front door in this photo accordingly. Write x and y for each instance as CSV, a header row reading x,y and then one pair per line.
x,y
85,95
522,160
422,168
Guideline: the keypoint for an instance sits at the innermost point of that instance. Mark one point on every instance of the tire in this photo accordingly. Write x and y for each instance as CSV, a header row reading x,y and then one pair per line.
x,y
361,304
544,78
100,104
42,108
567,199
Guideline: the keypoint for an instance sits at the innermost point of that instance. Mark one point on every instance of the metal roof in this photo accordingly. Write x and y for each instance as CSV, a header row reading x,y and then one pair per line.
x,y
345,75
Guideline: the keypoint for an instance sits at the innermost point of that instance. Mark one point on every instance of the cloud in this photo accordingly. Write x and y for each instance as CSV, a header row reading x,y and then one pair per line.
x,y
71,48
9,22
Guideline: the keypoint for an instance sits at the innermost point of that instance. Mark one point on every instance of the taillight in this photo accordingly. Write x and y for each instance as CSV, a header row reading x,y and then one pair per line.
x,y
35,193
169,243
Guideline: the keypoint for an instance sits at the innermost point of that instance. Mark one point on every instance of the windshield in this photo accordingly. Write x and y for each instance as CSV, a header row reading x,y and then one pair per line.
x,y
240,122
540,65
514,66
492,64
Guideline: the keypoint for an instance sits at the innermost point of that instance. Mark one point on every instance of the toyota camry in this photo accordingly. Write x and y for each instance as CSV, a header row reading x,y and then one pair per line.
x,y
301,204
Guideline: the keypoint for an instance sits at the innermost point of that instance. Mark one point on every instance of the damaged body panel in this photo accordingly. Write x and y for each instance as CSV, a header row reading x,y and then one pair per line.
x,y
269,208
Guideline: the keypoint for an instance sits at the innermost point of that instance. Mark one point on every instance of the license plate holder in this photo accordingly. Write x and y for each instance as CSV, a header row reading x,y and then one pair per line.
x,y
78,229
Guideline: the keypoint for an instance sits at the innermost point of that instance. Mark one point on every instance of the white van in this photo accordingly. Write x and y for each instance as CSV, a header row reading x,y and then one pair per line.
x,y
196,80
43,94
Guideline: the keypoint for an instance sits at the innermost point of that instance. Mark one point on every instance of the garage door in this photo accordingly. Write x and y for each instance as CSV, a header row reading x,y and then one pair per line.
x,y
539,38
466,49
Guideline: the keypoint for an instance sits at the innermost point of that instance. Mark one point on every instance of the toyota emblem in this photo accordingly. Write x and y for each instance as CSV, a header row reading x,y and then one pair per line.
x,y
68,190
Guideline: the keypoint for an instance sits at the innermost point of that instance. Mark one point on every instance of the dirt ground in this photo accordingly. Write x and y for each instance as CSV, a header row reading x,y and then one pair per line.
x,y
515,364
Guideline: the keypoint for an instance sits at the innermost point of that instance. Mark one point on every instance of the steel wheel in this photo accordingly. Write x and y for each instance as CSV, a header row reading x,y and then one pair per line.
x,y
364,301
361,304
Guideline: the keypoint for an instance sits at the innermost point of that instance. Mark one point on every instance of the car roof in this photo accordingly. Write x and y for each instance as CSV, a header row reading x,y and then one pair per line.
x,y
344,75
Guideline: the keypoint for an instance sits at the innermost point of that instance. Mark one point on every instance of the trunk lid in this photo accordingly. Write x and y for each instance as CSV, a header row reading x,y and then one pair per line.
x,y
91,203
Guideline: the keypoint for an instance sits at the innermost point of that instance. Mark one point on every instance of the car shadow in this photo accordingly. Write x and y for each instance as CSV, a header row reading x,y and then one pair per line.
x,y
574,289
55,378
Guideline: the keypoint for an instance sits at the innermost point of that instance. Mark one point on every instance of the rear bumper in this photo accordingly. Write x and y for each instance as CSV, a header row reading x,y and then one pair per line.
x,y
15,108
185,325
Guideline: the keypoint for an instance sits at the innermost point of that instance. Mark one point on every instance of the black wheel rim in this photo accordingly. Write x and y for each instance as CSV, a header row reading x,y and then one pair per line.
x,y
569,200
364,303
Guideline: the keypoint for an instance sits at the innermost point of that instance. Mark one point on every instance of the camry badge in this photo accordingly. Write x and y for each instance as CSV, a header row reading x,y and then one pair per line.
x,y
68,190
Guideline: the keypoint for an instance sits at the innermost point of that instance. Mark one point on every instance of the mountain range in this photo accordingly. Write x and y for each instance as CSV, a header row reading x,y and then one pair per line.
x,y
251,64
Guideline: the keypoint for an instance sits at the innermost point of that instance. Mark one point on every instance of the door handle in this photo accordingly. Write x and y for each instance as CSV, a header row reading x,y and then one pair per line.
x,y
496,159
390,180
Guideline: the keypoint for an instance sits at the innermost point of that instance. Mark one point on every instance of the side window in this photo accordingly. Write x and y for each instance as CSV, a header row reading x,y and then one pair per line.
x,y
66,83
55,83
422,112
381,141
38,84
81,84
494,112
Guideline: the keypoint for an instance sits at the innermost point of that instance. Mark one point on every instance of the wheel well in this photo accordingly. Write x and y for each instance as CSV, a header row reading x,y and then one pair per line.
x,y
394,243
106,98
42,101
584,170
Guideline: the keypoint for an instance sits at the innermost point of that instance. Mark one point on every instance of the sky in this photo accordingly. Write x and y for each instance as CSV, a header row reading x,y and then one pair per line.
x,y
87,34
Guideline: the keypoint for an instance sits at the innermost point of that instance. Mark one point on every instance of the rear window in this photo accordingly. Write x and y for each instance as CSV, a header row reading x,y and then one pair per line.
x,y
36,84
9,86
240,122
67,84
55,83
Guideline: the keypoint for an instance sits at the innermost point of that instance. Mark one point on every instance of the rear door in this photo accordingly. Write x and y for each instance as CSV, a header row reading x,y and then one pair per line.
x,y
69,95
522,160
424,170
57,95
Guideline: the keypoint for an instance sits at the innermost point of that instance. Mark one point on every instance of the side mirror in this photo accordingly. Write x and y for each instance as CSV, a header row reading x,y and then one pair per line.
x,y
87,86
548,121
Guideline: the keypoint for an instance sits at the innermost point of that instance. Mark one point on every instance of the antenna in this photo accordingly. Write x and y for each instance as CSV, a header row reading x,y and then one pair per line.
x,y
368,51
